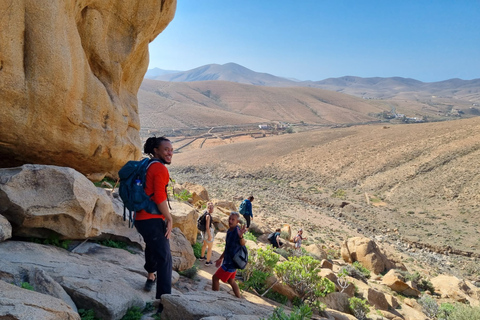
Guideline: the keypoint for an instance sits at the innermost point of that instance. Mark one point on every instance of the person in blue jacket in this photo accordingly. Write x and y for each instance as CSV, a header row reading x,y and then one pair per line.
x,y
246,210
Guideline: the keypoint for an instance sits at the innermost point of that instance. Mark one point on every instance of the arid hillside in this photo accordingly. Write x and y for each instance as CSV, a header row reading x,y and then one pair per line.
x,y
217,103
420,180
182,105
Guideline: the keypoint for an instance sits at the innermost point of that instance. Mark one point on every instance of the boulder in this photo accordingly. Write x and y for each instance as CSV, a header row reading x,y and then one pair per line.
x,y
71,71
5,229
394,280
337,315
225,204
336,301
365,251
40,200
456,289
316,251
259,227
377,299
185,218
326,264
18,303
91,283
342,284
197,191
196,305
182,251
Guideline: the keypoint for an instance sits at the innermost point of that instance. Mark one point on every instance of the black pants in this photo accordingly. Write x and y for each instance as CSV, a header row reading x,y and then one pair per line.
x,y
157,253
247,218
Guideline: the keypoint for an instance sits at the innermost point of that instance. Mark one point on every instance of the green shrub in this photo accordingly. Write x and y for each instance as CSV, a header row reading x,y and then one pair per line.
x,y
357,265
301,273
359,307
26,285
340,194
190,273
275,296
445,311
53,240
108,180
421,283
133,313
464,312
255,281
182,196
115,244
429,306
352,272
284,235
284,252
250,236
298,313
263,260
197,249
87,314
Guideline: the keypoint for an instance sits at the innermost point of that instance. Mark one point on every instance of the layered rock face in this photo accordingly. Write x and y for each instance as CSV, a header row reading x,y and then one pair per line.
x,y
69,75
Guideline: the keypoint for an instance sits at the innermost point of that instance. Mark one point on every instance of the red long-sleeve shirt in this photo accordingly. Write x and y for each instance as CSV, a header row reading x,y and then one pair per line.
x,y
156,183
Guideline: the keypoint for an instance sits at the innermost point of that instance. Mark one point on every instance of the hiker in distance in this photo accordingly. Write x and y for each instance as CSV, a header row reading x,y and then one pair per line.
x,y
208,235
156,227
226,267
246,210
274,238
298,239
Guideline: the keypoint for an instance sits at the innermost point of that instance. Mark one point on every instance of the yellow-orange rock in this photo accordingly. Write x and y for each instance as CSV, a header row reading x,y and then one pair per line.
x,y
69,76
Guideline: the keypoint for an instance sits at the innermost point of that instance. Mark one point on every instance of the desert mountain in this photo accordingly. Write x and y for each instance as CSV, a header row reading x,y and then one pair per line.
x,y
374,87
227,72
176,105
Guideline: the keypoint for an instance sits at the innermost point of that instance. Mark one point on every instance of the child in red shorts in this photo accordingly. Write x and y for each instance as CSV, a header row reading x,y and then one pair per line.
x,y
234,240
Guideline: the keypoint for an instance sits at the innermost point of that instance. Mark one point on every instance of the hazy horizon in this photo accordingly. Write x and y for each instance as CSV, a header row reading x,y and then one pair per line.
x,y
315,40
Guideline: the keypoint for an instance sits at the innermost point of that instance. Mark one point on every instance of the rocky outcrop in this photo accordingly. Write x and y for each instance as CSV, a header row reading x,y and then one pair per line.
x,y
69,75
198,192
109,288
457,289
5,229
185,218
39,200
394,280
366,251
194,305
182,251
18,303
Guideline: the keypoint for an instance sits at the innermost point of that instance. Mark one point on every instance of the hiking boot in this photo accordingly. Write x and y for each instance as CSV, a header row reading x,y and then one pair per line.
x,y
208,263
149,284
202,258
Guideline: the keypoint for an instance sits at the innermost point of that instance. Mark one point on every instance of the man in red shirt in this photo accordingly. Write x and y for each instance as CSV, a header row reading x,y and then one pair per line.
x,y
156,227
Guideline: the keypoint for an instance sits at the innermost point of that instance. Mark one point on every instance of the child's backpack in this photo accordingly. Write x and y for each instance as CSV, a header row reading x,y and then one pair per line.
x,y
132,181
243,207
240,259
202,222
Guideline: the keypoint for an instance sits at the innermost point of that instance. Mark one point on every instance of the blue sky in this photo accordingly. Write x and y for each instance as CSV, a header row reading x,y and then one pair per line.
x,y
317,39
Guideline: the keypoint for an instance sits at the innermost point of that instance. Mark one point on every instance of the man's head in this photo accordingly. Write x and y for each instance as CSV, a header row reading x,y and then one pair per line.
x,y
160,148
251,198
233,219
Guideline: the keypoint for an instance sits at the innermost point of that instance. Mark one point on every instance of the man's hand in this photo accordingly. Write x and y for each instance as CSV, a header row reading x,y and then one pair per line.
x,y
241,231
169,223
218,262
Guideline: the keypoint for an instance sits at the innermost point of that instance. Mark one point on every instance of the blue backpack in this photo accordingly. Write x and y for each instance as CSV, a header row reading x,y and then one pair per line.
x,y
243,207
132,181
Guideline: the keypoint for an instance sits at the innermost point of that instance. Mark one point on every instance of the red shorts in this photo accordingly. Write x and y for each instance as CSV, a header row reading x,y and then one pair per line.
x,y
225,275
